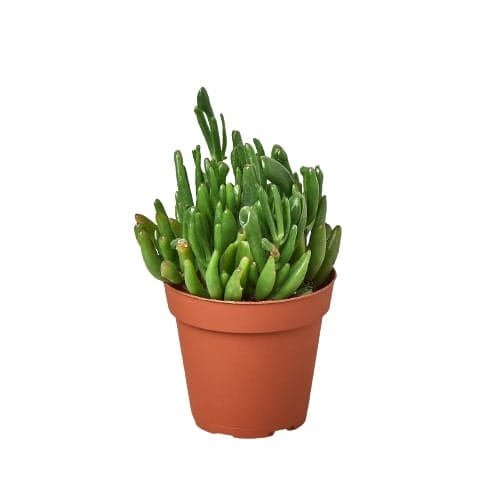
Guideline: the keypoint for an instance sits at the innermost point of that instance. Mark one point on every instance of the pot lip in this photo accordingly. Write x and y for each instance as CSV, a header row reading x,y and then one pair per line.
x,y
247,303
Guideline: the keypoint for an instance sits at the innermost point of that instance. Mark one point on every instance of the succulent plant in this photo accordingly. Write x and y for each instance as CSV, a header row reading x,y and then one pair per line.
x,y
263,236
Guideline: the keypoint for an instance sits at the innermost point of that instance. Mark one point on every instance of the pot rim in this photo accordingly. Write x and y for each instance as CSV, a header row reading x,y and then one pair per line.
x,y
332,279
264,316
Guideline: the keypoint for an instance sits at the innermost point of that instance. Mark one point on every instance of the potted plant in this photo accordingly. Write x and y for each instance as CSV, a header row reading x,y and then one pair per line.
x,y
248,272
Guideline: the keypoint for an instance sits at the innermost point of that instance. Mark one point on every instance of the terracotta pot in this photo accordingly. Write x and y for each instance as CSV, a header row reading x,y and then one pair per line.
x,y
249,365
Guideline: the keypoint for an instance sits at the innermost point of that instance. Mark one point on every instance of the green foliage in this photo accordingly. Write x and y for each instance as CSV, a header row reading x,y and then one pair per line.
x,y
263,236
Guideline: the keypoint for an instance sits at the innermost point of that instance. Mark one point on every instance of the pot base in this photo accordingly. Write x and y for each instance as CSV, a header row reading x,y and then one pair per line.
x,y
244,433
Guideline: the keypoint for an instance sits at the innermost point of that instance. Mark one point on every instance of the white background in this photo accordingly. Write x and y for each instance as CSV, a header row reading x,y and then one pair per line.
x,y
400,104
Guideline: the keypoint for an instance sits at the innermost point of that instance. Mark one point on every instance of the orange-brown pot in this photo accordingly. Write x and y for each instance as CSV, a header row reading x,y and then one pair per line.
x,y
249,365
